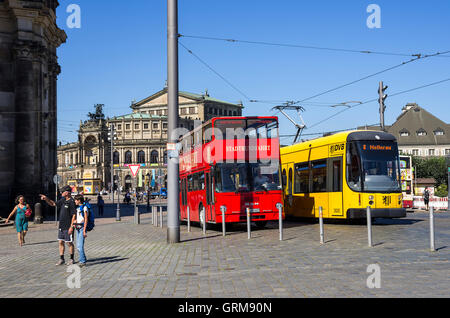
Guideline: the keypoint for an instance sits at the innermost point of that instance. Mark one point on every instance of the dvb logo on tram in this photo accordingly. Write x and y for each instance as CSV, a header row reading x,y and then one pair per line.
x,y
337,149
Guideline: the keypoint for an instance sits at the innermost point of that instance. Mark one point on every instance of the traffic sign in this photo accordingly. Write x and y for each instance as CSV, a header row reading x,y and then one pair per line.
x,y
57,179
134,169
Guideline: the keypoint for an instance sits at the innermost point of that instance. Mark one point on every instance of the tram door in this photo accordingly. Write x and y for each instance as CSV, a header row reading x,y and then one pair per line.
x,y
335,199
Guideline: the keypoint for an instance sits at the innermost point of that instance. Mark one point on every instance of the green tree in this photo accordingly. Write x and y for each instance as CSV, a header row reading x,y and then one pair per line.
x,y
441,191
434,167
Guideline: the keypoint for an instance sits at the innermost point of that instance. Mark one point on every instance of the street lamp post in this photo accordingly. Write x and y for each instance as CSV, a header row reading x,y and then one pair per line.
x,y
173,204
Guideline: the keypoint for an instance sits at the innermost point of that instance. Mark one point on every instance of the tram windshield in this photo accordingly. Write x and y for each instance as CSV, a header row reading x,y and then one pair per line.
x,y
373,166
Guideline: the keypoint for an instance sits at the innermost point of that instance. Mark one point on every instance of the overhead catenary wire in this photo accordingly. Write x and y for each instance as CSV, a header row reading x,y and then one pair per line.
x,y
376,99
215,72
299,46
372,75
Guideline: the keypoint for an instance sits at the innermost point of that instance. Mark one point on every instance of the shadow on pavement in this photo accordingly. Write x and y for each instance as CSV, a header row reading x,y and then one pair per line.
x,y
39,243
103,260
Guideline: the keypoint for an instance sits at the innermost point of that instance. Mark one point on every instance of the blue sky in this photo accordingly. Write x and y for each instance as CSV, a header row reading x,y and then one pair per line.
x,y
119,54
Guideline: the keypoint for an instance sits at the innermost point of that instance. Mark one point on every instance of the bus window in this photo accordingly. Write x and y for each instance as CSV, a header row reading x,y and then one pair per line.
x,y
190,180
301,178
319,176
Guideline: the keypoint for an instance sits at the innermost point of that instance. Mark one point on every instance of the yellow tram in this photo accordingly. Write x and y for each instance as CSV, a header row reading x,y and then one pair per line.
x,y
344,174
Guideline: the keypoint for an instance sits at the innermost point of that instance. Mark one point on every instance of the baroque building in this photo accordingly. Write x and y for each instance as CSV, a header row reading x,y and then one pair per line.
x,y
141,138
29,38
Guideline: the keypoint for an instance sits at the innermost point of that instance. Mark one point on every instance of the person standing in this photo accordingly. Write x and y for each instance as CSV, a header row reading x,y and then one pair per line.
x,y
21,220
426,198
100,205
80,227
67,216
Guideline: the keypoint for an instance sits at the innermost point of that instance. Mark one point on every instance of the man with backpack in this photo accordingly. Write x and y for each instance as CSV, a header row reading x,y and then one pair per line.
x,y
83,224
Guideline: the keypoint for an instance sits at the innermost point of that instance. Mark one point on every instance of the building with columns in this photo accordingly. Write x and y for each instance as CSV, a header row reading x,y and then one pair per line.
x,y
141,138
29,38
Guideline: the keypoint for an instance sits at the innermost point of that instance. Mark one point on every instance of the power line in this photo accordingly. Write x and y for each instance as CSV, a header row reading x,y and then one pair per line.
x,y
296,46
376,99
215,72
420,57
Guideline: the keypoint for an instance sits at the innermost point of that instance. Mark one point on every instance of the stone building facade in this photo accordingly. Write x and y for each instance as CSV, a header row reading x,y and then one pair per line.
x,y
29,38
141,139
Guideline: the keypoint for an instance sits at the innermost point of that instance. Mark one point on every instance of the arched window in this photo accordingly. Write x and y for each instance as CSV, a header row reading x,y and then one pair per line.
x,y
154,157
116,158
141,157
128,157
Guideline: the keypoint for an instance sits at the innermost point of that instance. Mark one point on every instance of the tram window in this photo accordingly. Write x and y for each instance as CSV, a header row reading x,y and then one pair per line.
x,y
301,179
290,181
284,178
337,176
319,176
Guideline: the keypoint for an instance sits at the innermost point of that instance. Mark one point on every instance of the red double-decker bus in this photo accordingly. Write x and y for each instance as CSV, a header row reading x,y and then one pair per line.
x,y
231,162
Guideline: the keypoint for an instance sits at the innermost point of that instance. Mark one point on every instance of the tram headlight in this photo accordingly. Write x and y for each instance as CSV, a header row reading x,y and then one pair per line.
x,y
371,197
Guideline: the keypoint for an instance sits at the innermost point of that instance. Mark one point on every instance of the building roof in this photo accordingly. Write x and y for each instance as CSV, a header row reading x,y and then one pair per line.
x,y
193,96
425,181
416,126
138,116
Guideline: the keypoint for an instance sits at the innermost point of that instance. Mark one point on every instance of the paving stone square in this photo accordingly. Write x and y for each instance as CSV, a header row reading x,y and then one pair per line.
x,y
126,260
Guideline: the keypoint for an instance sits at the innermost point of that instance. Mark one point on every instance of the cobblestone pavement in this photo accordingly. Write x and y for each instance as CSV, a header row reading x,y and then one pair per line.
x,y
128,260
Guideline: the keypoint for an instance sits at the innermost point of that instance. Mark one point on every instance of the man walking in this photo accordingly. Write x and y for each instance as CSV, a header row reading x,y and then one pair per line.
x,y
426,198
67,217
100,205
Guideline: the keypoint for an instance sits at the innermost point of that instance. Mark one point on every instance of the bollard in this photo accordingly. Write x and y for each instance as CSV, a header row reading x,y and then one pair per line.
x,y
249,234
118,207
204,221
153,215
160,216
432,247
223,209
369,226
38,214
321,225
280,219
188,220
156,217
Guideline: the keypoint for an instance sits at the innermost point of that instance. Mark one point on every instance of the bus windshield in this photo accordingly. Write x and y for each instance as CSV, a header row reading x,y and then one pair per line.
x,y
373,166
245,177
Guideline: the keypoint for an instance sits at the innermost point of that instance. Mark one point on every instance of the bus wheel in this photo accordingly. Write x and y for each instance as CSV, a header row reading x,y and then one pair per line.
x,y
261,224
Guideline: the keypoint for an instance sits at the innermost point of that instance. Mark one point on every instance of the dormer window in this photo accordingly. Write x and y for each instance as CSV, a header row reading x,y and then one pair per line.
x,y
404,133
439,132
421,132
